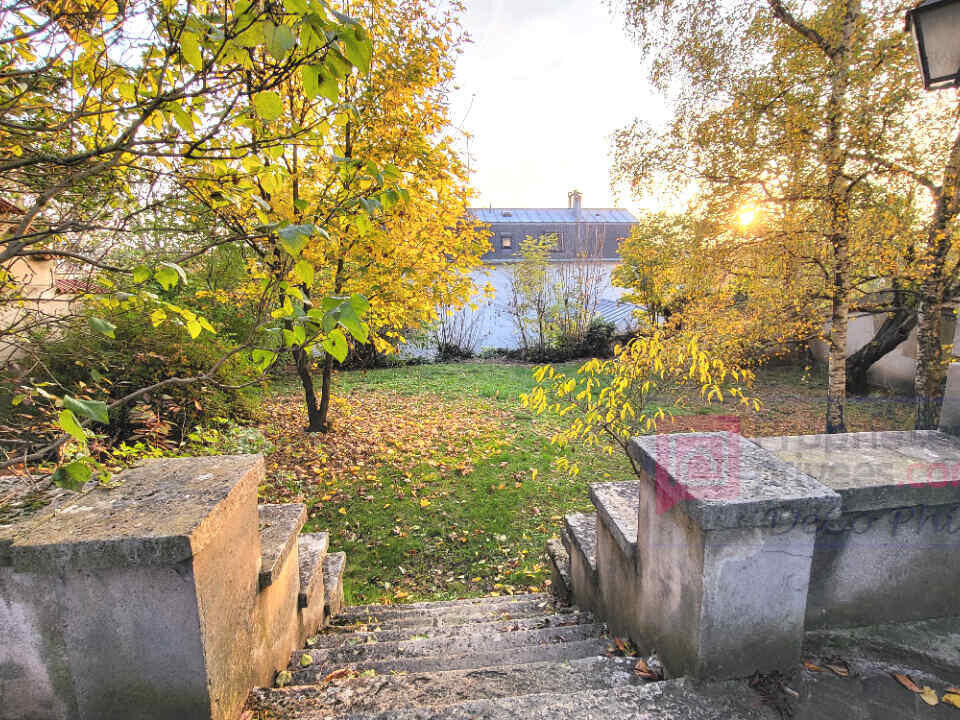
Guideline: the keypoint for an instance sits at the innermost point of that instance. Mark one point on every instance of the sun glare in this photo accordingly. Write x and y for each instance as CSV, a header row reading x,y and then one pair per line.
x,y
746,216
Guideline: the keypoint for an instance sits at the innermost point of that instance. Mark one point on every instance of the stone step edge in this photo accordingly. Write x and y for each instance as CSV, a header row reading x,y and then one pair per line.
x,y
434,646
580,537
618,506
581,649
333,568
439,604
593,663
561,581
332,637
667,699
279,526
311,552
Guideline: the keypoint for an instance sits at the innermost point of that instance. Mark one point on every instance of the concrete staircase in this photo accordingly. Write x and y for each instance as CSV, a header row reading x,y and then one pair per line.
x,y
495,658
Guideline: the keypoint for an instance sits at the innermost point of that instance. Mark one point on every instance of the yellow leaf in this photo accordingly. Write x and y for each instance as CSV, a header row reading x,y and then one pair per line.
x,y
424,503
342,511
952,699
929,695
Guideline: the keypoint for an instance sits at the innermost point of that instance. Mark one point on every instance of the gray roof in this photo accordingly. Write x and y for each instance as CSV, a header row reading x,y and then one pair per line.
x,y
552,215
615,311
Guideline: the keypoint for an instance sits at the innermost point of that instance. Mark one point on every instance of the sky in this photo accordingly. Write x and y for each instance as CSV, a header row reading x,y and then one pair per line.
x,y
541,89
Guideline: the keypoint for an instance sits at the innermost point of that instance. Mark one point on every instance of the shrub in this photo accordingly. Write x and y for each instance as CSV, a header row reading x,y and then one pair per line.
x,y
141,355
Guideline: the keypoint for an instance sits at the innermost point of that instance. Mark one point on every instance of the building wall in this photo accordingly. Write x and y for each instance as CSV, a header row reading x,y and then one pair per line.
x,y
576,239
491,324
36,281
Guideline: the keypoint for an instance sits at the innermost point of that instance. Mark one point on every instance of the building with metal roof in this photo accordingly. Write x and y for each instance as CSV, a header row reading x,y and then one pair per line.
x,y
580,232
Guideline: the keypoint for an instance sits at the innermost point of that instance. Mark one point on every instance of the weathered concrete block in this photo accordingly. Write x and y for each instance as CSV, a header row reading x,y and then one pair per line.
x,y
137,600
894,553
580,540
688,563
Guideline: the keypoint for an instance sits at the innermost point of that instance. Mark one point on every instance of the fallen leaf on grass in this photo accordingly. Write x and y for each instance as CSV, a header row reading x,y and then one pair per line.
x,y
906,682
929,695
952,699
811,667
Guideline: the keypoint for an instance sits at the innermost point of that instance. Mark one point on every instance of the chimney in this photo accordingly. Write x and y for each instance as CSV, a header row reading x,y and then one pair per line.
x,y
574,200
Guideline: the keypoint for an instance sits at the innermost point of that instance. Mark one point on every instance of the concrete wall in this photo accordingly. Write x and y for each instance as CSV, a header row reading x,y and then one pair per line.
x,y
897,368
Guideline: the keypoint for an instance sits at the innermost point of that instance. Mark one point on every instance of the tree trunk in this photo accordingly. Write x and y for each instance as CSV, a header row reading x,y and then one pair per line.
x,y
932,362
316,420
894,330
324,426
931,374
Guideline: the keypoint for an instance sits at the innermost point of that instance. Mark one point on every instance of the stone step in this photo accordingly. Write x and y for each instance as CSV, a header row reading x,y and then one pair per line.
x,y
335,636
311,551
435,605
454,612
333,567
560,582
581,537
452,644
618,504
385,693
670,700
279,527
507,656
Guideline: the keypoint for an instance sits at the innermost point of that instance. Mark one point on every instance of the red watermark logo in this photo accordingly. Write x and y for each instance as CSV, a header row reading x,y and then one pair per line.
x,y
698,465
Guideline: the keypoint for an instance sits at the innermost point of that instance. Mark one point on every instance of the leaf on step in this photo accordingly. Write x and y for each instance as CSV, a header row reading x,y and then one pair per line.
x,y
952,691
952,699
906,682
369,673
929,695
643,670
811,667
621,645
838,668
336,675
283,678
306,659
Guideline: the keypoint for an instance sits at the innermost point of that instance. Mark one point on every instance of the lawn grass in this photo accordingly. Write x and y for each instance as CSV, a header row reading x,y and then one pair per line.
x,y
437,484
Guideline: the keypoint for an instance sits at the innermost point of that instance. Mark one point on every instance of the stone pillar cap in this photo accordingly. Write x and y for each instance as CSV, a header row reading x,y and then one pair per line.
x,y
159,514
724,481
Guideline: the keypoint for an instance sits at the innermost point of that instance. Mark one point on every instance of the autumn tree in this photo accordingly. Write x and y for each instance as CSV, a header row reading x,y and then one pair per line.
x,y
109,112
530,293
801,111
371,197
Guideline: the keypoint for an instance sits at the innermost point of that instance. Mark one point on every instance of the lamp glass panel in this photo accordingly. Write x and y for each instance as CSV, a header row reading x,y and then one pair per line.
x,y
940,29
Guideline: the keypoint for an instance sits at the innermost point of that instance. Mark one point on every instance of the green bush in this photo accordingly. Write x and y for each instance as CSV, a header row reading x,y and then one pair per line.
x,y
141,355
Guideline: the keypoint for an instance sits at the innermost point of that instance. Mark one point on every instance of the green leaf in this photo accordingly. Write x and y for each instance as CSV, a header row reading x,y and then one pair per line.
x,y
329,87
296,6
357,48
359,303
103,326
141,273
310,75
304,272
263,358
297,336
268,104
351,321
72,476
168,274
278,38
93,409
190,48
335,343
68,422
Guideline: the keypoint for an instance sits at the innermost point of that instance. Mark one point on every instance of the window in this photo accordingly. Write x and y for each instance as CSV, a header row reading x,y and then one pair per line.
x,y
506,241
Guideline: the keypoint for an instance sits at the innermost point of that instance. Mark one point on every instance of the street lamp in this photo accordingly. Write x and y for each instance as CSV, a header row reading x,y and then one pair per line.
x,y
936,28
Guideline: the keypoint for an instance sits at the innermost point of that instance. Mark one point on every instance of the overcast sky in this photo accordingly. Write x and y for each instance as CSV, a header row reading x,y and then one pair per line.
x,y
550,81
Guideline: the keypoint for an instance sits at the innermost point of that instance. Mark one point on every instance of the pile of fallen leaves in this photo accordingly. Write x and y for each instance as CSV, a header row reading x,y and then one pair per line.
x,y
370,430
